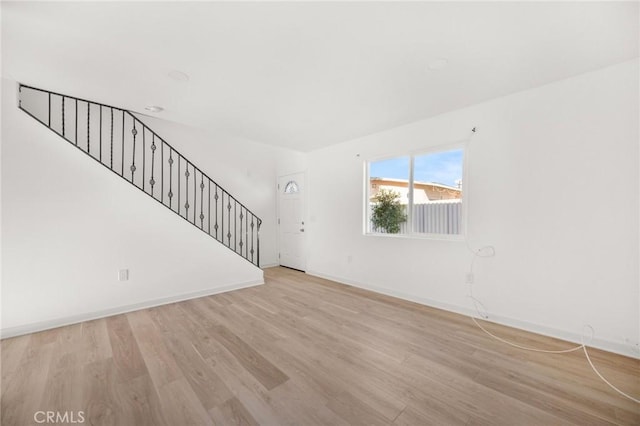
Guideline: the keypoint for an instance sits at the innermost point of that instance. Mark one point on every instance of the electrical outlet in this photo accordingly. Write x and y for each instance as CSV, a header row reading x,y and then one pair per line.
x,y
123,275
469,279
487,251
349,259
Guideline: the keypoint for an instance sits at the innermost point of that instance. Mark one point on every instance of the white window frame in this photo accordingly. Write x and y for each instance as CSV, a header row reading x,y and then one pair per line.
x,y
464,145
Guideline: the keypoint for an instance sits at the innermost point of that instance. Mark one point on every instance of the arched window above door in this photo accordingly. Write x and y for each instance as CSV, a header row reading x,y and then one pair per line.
x,y
291,187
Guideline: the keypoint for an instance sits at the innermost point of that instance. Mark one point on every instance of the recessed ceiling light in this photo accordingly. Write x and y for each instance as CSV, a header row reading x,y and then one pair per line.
x,y
153,108
178,75
437,64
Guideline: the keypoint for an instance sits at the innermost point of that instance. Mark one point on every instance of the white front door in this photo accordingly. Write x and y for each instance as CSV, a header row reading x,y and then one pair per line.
x,y
291,226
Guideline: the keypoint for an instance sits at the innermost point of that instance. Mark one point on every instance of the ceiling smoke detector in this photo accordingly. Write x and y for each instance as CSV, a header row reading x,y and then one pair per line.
x,y
178,76
153,108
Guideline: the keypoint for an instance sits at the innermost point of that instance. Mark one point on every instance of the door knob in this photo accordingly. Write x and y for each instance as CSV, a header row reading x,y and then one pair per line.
x,y
301,229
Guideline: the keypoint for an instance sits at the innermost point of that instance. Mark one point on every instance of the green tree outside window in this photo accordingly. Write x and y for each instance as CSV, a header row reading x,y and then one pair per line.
x,y
387,212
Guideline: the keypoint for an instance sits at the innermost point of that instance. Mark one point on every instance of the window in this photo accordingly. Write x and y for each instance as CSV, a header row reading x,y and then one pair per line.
x,y
417,194
291,187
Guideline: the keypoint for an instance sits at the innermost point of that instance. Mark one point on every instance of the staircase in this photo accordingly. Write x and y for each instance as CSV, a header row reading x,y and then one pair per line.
x,y
122,143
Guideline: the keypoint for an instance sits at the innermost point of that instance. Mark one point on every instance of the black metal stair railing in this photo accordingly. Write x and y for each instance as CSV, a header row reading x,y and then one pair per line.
x,y
118,140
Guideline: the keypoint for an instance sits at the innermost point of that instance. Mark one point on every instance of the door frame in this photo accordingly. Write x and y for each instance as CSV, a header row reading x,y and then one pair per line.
x,y
305,212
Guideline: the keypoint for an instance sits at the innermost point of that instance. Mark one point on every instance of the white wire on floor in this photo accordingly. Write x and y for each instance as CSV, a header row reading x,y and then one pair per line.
x,y
489,251
595,370
576,348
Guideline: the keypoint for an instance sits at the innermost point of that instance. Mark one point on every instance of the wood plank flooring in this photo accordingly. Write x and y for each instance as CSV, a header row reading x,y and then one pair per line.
x,y
301,350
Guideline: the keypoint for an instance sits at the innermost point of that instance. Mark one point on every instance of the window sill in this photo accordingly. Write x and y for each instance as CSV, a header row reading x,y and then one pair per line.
x,y
438,237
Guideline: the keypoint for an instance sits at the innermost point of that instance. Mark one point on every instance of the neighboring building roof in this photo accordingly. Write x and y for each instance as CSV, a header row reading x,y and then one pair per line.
x,y
422,191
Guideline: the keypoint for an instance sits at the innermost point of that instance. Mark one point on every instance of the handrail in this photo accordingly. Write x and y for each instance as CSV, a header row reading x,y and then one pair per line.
x,y
129,148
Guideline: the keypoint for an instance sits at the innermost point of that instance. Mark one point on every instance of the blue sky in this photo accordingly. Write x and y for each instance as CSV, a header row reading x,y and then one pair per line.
x,y
441,167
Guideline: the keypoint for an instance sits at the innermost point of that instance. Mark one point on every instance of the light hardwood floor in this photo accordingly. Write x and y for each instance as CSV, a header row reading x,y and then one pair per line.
x,y
304,351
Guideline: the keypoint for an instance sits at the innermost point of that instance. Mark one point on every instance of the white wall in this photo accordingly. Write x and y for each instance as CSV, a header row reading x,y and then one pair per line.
x,y
69,225
552,184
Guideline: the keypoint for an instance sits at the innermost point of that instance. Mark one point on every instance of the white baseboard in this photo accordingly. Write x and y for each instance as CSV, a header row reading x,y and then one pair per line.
x,y
605,345
269,265
88,316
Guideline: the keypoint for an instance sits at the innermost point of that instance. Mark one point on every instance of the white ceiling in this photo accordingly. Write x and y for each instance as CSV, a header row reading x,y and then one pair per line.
x,y
308,75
